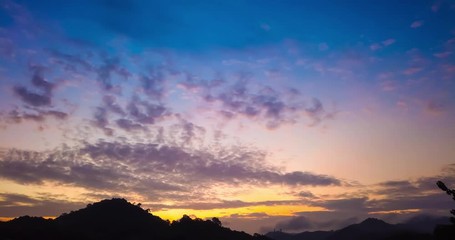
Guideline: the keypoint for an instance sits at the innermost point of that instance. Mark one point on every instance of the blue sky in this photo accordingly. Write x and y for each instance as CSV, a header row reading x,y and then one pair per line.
x,y
281,111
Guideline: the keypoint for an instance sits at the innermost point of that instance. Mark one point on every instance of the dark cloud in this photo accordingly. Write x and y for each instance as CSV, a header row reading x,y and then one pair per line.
x,y
128,125
424,202
306,194
302,178
186,132
71,62
101,120
11,204
40,98
144,112
135,116
316,111
299,223
39,81
153,83
220,204
302,223
37,115
357,204
32,98
109,67
398,188
264,103
110,103
114,166
436,107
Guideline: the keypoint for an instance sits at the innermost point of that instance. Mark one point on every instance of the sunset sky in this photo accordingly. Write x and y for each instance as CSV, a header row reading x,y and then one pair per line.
x,y
293,115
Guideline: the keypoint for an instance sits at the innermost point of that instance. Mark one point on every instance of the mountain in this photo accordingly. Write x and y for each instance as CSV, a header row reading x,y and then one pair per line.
x,y
316,235
117,219
369,229
424,223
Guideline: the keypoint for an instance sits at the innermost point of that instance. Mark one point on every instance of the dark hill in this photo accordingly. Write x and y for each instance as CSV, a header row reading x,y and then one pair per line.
x,y
117,219
369,229
316,235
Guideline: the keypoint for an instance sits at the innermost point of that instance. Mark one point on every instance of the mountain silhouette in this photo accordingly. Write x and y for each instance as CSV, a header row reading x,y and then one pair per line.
x,y
117,219
369,229
316,235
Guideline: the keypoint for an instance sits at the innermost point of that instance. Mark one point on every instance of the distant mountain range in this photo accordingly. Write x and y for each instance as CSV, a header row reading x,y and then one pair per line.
x,y
118,219
418,228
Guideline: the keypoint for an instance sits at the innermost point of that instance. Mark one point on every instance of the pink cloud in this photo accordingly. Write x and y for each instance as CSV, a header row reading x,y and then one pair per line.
x,y
449,68
442,54
412,70
402,105
435,107
375,47
385,43
417,24
388,85
388,42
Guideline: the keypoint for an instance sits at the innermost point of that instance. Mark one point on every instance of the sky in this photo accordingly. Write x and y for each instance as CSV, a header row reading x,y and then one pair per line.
x,y
292,115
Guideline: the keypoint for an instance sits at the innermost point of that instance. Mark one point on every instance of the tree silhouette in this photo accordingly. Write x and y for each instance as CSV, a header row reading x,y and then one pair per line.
x,y
450,192
446,232
216,221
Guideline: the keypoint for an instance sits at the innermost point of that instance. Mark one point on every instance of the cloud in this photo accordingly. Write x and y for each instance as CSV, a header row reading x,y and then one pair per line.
x,y
306,194
298,223
101,120
388,42
113,166
34,98
265,104
128,125
153,83
388,85
412,70
356,204
110,103
416,24
302,223
435,107
105,71
11,204
145,112
38,115
443,54
375,46
385,43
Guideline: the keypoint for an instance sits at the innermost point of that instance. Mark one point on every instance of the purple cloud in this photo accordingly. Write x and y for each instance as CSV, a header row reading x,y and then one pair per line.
x,y
112,166
416,24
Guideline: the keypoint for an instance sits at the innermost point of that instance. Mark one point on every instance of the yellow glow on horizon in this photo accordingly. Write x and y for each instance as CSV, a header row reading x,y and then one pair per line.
x,y
414,210
277,210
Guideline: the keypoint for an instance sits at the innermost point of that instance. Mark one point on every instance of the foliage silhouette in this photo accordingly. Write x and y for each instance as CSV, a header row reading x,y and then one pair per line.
x,y
446,232
450,192
118,219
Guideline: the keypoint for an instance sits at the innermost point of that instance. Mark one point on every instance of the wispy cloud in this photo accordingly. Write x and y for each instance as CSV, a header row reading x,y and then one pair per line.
x,y
443,54
416,24
385,43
